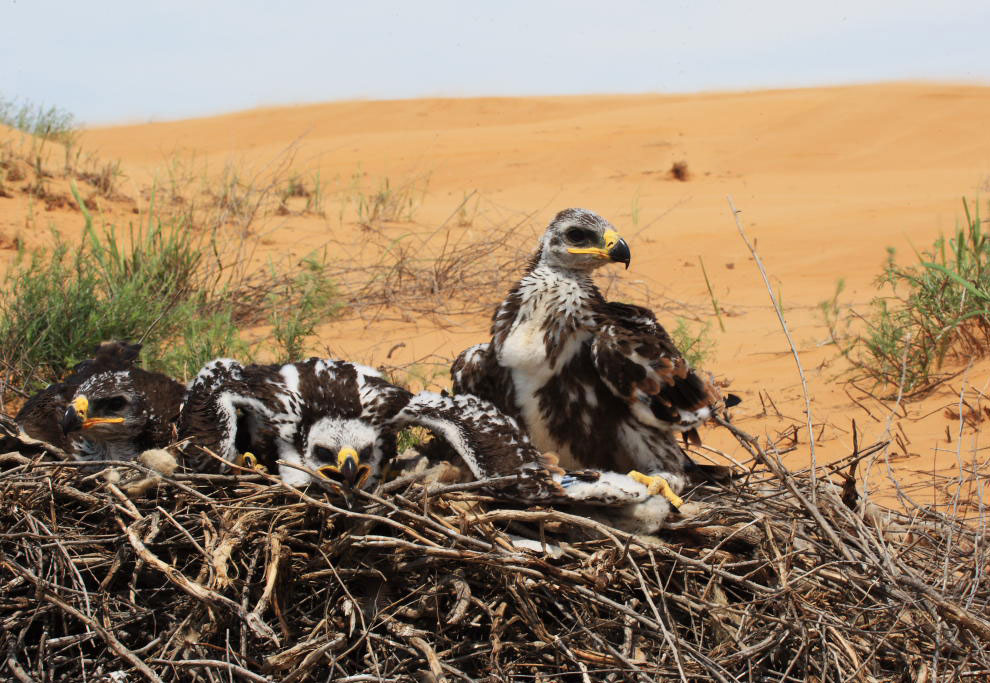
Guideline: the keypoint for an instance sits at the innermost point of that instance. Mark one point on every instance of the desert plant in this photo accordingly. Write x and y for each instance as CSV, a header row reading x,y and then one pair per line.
x,y
935,309
387,202
104,178
299,304
314,199
49,123
694,342
830,311
150,285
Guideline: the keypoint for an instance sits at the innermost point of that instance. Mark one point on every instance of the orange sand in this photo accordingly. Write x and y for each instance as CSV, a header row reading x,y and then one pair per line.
x,y
826,179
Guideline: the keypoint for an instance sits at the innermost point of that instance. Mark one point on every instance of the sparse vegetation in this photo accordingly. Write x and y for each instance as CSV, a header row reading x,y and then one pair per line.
x,y
298,304
150,284
937,309
160,283
388,202
831,313
693,341
314,199
104,179
47,123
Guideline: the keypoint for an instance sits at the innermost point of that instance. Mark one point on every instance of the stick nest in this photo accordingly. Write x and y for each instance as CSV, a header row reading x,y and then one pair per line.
x,y
776,577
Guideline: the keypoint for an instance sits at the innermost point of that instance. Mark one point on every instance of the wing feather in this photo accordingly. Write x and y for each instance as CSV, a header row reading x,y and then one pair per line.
x,y
639,362
489,442
230,408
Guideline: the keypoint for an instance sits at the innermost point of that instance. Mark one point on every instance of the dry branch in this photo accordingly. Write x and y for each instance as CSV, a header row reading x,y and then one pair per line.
x,y
240,577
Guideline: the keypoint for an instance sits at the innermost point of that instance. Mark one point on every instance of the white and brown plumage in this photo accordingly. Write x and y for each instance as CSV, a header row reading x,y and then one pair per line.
x,y
600,383
341,419
108,408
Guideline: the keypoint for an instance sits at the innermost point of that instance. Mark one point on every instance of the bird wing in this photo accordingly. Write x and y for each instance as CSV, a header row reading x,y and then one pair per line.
x,y
477,372
490,442
638,361
230,408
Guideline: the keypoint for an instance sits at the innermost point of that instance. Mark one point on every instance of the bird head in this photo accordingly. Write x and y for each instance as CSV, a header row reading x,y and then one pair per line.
x,y
344,451
578,239
105,408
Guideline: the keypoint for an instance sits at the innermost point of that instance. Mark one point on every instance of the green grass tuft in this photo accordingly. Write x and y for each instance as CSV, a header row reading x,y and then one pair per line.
x,y
147,285
48,123
936,309
160,283
299,304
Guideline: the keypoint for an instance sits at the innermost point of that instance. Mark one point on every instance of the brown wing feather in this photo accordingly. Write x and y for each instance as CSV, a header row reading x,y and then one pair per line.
x,y
477,372
640,362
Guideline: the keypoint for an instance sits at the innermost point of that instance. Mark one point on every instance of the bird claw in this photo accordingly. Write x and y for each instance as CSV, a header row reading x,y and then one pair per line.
x,y
250,461
657,485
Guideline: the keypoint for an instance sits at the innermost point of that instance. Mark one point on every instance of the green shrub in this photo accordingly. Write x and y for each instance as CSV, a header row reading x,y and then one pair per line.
x,y
162,284
152,287
298,304
936,309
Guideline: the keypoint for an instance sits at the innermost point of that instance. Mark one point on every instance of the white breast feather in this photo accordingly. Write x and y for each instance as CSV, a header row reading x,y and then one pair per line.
x,y
524,350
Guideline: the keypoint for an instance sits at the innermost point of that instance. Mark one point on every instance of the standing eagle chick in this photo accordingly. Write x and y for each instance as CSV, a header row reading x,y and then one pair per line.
x,y
600,383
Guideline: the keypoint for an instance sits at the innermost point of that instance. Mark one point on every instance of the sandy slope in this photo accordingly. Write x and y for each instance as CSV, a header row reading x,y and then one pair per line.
x,y
826,179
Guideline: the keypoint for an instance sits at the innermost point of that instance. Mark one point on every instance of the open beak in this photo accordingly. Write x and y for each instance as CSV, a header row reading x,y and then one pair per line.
x,y
615,249
349,469
76,416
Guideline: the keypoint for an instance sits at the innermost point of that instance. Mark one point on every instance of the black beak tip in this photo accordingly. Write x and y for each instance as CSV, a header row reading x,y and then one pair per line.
x,y
620,252
70,421
349,471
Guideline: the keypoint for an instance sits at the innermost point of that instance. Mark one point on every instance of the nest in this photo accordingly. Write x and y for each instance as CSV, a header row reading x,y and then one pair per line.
x,y
777,576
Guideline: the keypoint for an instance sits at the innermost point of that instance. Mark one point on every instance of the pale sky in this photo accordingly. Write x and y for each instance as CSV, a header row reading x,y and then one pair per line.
x,y
111,61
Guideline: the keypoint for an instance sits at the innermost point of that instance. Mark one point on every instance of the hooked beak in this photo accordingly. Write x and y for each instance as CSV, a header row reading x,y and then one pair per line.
x,y
76,416
615,249
349,469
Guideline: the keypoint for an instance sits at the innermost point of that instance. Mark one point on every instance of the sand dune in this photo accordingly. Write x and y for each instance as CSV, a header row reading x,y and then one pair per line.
x,y
826,180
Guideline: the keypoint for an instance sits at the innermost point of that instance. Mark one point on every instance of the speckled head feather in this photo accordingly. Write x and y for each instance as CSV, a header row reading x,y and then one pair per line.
x,y
581,240
142,405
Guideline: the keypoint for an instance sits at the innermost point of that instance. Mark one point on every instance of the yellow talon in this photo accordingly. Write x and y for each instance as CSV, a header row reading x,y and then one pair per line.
x,y
250,461
657,485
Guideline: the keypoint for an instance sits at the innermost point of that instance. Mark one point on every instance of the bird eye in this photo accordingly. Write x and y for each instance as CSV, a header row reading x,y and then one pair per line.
x,y
112,404
324,454
577,235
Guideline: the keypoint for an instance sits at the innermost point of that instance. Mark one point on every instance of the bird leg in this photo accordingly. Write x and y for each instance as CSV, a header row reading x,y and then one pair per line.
x,y
657,485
